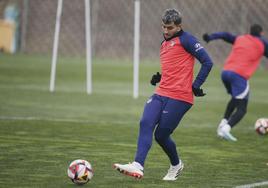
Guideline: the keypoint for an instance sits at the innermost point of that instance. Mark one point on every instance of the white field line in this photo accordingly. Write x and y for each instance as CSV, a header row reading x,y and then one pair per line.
x,y
70,120
120,92
58,140
253,185
32,118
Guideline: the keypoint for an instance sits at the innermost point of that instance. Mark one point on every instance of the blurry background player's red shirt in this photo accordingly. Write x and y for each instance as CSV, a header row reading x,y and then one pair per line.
x,y
245,55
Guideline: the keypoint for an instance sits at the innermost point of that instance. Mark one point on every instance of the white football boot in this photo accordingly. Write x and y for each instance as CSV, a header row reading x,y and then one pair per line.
x,y
133,169
174,172
224,129
222,123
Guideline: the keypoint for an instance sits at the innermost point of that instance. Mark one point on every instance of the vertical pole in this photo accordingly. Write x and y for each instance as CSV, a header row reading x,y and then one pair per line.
x,y
88,47
55,47
136,50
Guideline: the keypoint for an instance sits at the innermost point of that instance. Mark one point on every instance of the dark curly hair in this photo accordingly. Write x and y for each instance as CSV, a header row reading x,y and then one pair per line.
x,y
171,15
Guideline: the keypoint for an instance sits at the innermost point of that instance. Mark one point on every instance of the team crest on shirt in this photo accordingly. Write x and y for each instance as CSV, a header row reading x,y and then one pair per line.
x,y
172,43
198,47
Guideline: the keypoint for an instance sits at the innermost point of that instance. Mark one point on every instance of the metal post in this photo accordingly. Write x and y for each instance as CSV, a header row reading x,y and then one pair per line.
x,y
88,47
55,47
136,59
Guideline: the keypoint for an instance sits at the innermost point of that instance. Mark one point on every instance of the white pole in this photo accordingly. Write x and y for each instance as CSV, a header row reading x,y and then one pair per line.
x,y
55,47
136,49
88,47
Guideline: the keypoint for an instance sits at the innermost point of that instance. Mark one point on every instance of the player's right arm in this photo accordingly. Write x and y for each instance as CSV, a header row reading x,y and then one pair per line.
x,y
227,37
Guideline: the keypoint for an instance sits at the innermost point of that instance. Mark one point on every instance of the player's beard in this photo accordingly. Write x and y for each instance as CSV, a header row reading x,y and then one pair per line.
x,y
168,36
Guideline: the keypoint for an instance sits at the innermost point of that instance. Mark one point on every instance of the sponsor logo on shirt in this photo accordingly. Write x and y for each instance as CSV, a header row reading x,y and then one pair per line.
x,y
198,47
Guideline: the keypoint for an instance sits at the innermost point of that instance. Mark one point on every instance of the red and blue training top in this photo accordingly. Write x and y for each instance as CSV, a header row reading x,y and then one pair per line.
x,y
177,55
246,53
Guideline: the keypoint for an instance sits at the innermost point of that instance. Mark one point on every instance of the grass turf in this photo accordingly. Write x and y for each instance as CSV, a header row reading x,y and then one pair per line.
x,y
42,132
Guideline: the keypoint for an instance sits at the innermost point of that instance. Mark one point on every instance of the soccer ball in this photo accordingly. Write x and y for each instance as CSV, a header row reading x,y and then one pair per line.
x,y
80,171
261,126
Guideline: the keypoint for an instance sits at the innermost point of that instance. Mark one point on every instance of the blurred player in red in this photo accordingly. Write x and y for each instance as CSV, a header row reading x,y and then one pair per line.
x,y
242,62
172,98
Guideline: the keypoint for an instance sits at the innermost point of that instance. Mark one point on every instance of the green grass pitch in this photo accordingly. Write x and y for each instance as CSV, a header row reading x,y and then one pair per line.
x,y
42,132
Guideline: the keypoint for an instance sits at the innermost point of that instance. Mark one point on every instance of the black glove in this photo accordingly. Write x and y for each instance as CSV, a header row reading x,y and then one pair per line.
x,y
206,37
198,92
156,78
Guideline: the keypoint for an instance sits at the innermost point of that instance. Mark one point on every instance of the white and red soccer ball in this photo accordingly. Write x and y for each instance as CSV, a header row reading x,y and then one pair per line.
x,y
261,126
80,171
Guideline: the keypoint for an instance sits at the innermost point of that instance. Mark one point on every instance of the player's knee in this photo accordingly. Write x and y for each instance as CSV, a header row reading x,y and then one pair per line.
x,y
159,138
145,122
242,111
241,106
161,135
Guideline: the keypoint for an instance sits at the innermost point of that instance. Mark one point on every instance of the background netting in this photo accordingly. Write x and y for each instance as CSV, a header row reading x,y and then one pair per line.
x,y
112,23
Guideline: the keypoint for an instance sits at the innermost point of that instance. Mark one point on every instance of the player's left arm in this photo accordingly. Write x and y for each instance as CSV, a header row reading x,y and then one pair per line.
x,y
226,36
192,45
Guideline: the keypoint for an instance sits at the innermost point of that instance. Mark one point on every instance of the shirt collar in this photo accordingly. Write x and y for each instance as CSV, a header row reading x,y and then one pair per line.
x,y
177,34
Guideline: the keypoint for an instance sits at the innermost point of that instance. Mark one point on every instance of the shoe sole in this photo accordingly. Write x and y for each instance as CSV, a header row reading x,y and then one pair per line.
x,y
135,175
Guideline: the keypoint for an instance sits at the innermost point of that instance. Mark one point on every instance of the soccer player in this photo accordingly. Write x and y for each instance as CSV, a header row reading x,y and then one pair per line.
x,y
172,98
240,65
